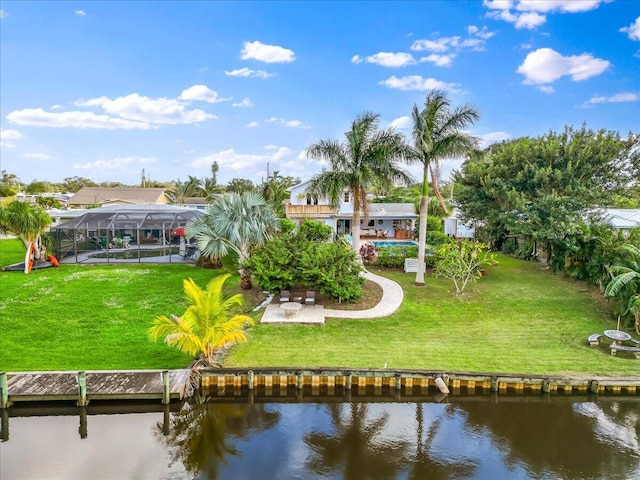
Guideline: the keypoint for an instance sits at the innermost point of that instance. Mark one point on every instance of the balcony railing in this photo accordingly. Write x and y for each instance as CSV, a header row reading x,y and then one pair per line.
x,y
302,211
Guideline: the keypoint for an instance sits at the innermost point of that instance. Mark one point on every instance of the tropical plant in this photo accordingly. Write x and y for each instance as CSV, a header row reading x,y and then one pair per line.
x,y
205,327
366,156
438,134
181,191
275,190
462,262
28,223
626,284
236,222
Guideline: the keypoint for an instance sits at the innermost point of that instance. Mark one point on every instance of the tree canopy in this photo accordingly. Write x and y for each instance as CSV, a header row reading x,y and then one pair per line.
x,y
542,187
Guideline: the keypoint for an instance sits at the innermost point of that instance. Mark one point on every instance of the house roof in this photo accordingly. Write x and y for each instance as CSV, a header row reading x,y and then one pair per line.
x,y
622,218
100,195
392,210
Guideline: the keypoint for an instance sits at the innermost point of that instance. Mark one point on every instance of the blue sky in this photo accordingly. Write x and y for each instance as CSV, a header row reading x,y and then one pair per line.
x,y
103,90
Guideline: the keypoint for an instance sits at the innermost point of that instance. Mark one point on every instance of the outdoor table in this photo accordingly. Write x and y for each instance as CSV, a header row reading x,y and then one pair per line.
x,y
291,309
618,336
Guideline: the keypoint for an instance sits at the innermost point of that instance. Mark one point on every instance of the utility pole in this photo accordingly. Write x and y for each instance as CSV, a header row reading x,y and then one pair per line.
x,y
143,182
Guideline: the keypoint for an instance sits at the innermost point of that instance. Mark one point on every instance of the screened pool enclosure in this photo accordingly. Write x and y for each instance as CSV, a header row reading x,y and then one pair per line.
x,y
127,233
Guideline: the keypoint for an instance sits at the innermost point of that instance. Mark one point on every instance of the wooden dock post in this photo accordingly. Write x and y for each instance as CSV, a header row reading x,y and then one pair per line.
x,y
83,430
166,391
347,383
546,385
250,379
4,401
494,384
82,389
398,384
5,425
299,381
593,386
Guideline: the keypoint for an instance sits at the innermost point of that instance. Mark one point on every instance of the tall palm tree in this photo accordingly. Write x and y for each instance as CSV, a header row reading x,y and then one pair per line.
x,y
28,223
367,155
205,326
181,191
437,135
236,222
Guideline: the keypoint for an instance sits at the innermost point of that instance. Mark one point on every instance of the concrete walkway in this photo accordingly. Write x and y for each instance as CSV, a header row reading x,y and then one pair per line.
x,y
392,296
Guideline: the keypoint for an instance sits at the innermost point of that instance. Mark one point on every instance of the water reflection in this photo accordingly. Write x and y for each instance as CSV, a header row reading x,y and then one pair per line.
x,y
328,438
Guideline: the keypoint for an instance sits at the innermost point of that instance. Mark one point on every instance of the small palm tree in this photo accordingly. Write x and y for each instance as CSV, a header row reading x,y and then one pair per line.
x,y
366,157
205,326
626,283
236,222
437,135
28,223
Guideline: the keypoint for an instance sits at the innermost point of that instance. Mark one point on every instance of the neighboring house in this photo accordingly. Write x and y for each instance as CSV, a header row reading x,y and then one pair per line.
x,y
199,203
91,196
396,220
622,218
453,226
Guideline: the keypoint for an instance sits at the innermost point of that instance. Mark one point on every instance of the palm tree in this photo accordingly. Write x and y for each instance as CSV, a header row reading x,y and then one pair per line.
x,y
367,155
236,222
626,283
437,135
205,326
181,191
28,223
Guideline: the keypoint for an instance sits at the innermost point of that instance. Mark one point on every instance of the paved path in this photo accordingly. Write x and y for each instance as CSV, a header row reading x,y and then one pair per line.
x,y
392,296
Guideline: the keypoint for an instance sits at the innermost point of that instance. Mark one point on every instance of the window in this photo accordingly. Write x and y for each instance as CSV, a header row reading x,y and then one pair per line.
x,y
312,200
346,197
372,223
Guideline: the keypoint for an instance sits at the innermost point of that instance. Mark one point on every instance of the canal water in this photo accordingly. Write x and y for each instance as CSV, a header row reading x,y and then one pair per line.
x,y
474,437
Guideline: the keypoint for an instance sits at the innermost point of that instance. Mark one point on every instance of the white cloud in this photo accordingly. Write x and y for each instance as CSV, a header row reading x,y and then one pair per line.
x,y
158,111
287,123
563,6
81,13
529,14
530,20
37,156
246,102
493,137
114,164
7,137
39,118
617,98
401,123
633,30
230,159
546,66
56,107
445,49
546,89
266,53
247,72
387,59
416,82
201,93
3,14
439,60
252,124
483,33
10,135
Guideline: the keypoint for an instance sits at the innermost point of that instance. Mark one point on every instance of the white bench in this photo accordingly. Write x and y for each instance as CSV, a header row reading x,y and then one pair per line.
x,y
614,348
594,340
411,265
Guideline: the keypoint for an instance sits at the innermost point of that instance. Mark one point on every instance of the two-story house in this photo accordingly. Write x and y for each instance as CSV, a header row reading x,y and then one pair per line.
x,y
386,220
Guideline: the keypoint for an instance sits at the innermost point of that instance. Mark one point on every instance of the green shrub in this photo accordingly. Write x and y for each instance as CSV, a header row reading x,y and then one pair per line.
x,y
313,231
393,257
273,266
435,239
333,269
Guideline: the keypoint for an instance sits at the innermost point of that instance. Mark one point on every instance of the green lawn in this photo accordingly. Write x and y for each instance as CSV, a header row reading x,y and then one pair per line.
x,y
519,318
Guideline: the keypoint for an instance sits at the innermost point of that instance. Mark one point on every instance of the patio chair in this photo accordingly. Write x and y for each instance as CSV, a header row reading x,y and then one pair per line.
x,y
285,296
310,298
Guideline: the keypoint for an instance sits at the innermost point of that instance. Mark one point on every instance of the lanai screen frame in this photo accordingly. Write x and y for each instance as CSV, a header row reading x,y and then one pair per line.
x,y
149,227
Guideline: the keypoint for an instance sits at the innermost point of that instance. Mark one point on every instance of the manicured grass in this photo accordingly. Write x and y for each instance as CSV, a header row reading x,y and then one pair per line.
x,y
92,317
520,318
